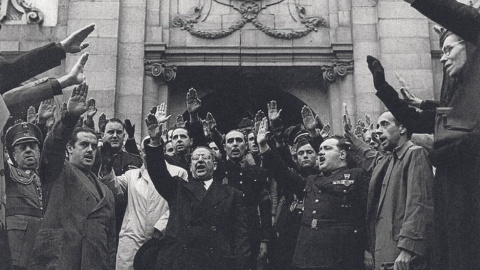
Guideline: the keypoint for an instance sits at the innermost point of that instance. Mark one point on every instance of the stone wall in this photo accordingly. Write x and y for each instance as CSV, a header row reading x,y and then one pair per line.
x,y
130,30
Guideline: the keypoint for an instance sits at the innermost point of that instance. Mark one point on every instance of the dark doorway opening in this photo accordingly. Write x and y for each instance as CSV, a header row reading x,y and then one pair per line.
x,y
234,93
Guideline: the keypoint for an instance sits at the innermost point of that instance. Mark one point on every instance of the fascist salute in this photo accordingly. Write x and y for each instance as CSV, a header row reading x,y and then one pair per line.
x,y
207,227
332,234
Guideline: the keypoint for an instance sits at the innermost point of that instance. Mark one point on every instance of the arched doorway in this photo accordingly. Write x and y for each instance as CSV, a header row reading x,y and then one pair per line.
x,y
233,93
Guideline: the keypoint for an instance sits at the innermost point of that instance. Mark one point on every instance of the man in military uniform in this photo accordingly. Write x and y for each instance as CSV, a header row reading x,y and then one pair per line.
x,y
24,192
332,234
252,181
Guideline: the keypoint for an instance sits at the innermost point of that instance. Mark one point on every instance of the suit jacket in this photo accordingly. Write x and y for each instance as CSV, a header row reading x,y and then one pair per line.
x,y
78,229
209,227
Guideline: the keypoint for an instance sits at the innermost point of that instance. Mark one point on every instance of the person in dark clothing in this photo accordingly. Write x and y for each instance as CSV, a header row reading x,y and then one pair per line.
x,y
207,228
332,233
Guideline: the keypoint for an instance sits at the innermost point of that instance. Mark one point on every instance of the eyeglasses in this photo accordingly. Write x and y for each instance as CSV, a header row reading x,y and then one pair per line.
x,y
203,156
448,49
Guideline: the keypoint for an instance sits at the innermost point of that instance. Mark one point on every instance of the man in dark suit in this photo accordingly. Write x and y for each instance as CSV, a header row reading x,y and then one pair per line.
x,y
207,227
12,73
78,229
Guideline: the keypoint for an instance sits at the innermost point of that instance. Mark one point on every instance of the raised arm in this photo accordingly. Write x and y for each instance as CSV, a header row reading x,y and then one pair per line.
x,y
415,121
164,183
275,165
53,156
461,19
41,59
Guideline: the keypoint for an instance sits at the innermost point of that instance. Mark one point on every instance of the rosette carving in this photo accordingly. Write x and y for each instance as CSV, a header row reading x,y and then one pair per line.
x,y
159,69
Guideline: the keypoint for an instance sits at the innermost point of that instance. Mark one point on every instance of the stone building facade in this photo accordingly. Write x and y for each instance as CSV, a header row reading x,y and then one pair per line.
x,y
239,54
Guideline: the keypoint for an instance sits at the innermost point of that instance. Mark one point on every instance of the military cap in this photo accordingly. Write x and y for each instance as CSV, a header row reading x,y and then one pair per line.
x,y
293,133
21,133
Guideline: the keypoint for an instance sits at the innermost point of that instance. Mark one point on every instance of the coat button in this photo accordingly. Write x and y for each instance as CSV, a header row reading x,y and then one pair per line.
x,y
211,250
188,226
317,200
241,173
314,212
214,228
241,182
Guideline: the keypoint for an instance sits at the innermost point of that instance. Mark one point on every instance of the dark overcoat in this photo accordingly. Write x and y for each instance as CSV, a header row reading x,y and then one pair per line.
x,y
457,187
78,230
208,228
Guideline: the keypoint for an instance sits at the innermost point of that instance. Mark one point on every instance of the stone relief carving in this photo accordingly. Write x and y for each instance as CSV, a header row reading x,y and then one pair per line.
x,y
20,12
159,69
336,70
249,10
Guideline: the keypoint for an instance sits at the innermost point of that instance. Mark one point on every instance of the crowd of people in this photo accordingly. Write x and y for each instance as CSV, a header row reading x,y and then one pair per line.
x,y
76,194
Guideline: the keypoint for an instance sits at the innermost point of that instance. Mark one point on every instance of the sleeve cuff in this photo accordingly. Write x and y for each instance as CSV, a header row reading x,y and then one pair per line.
x,y
56,87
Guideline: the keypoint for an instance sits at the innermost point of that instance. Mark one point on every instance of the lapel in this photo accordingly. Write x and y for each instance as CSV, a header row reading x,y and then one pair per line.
x,y
375,184
385,180
86,183
104,200
196,188
215,193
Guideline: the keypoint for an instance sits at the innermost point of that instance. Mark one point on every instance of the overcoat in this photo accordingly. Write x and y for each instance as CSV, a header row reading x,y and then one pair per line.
x,y
208,228
457,187
78,230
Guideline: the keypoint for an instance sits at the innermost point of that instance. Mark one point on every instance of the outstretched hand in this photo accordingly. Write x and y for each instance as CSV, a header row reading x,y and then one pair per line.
x,y
262,135
180,122
129,128
154,130
212,124
77,103
92,109
31,115
102,122
193,102
46,110
377,71
258,119
74,42
273,112
308,118
161,113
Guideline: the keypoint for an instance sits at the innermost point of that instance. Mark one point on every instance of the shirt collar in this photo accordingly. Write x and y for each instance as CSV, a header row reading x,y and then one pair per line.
x,y
400,151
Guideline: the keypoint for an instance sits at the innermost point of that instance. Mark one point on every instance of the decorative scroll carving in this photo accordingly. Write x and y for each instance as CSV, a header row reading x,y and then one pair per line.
x,y
249,11
339,69
159,69
20,11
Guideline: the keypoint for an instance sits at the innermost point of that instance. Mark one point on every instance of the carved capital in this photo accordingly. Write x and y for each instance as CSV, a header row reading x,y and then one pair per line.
x,y
336,70
159,69
20,12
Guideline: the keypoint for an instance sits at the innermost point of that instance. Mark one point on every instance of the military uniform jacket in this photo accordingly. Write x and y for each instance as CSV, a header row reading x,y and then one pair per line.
x,y
332,234
78,230
208,227
252,182
24,213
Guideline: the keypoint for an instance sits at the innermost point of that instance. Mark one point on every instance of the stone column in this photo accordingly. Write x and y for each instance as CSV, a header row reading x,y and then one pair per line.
x,y
338,78
155,90
131,51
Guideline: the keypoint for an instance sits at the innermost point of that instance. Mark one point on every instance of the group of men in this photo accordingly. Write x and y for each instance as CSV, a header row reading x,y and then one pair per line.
x,y
258,197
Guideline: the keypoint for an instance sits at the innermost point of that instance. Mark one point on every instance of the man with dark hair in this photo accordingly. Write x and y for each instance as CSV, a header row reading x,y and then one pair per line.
x,y
78,229
252,181
207,227
332,231
455,124
400,197
24,209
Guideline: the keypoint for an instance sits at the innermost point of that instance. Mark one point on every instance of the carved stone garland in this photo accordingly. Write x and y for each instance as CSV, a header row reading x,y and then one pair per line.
x,y
249,10
159,69
20,11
